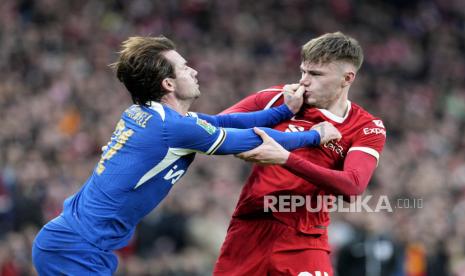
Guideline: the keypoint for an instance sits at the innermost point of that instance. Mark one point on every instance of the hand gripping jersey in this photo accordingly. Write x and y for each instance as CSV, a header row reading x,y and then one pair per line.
x,y
361,133
150,150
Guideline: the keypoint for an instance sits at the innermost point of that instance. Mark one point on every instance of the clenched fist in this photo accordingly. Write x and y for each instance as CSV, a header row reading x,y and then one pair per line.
x,y
293,96
327,132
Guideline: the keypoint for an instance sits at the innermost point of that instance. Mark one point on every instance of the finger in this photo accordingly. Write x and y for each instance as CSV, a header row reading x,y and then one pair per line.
x,y
288,93
294,86
335,136
300,91
246,154
317,125
251,160
262,134
249,154
287,88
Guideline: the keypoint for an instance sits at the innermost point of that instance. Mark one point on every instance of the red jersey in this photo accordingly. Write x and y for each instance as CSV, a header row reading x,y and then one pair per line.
x,y
360,132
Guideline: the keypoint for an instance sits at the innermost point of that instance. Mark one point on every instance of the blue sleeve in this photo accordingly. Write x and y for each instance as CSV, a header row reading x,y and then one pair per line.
x,y
197,135
268,117
240,140
190,134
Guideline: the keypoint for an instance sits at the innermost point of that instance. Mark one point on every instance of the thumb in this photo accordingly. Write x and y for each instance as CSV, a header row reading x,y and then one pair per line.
x,y
294,86
300,91
262,134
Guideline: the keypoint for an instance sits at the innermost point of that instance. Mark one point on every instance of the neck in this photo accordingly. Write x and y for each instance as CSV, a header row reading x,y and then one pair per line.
x,y
180,106
340,106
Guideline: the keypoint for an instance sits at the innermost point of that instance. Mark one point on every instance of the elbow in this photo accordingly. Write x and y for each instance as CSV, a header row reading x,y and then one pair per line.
x,y
357,191
352,192
351,196
354,186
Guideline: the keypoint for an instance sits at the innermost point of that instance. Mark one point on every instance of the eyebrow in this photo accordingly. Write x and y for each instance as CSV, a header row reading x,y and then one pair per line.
x,y
313,71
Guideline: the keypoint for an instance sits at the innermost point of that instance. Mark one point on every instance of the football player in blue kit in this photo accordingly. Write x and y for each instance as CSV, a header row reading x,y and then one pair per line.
x,y
151,148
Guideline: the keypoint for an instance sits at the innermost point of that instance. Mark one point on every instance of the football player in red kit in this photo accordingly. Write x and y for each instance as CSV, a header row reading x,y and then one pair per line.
x,y
296,243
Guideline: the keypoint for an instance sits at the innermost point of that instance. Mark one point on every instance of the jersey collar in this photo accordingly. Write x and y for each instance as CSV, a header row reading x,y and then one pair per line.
x,y
158,107
334,117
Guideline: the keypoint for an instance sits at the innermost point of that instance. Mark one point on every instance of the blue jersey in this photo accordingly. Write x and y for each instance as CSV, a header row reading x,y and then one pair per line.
x,y
150,150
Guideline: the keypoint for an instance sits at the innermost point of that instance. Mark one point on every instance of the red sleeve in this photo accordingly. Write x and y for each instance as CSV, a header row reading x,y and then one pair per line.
x,y
352,180
255,102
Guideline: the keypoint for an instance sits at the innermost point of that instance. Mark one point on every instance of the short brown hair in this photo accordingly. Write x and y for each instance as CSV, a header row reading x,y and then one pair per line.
x,y
141,66
333,47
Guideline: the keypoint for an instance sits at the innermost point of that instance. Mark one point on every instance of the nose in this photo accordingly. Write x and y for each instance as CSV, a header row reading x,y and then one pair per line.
x,y
304,80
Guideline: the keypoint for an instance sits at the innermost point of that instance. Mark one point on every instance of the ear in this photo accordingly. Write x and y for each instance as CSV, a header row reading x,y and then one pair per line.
x,y
168,84
349,77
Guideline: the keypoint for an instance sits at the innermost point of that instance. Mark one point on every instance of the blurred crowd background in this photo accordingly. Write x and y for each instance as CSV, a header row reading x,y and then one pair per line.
x,y
59,103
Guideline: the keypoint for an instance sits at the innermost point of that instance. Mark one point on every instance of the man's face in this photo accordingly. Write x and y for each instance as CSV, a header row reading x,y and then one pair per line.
x,y
323,83
187,86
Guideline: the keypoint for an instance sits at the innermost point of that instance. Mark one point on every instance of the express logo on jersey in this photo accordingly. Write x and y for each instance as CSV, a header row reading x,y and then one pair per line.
x,y
380,129
206,125
368,131
378,123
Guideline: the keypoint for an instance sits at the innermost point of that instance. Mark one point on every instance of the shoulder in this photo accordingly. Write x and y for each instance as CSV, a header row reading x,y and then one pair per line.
x,y
272,89
364,117
175,122
139,116
269,96
369,133
151,118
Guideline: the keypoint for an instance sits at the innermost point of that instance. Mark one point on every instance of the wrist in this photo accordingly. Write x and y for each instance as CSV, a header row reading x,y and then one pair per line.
x,y
291,160
315,137
290,109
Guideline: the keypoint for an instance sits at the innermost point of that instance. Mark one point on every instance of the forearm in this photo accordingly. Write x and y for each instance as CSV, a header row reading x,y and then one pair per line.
x,y
268,117
237,141
352,180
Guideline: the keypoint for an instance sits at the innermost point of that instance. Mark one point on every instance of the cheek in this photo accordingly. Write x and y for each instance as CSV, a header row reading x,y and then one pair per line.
x,y
184,81
330,85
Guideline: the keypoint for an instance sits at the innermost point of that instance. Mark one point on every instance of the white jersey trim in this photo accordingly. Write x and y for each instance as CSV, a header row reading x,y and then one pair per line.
x,y
334,117
158,108
270,89
275,98
368,150
171,156
219,141
192,114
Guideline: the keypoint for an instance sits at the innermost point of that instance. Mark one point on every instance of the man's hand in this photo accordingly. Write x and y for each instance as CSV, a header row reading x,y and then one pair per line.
x,y
293,96
327,132
269,152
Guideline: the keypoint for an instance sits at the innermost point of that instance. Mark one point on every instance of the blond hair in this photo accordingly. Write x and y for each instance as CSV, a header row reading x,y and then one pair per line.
x,y
332,47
